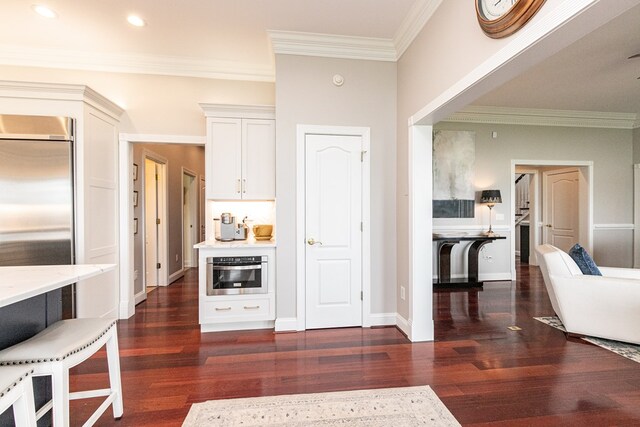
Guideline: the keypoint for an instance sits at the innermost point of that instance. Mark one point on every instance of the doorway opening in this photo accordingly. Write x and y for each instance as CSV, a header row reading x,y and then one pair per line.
x,y
551,202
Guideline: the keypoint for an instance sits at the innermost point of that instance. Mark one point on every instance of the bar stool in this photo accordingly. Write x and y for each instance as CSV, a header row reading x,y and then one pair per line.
x,y
16,390
59,348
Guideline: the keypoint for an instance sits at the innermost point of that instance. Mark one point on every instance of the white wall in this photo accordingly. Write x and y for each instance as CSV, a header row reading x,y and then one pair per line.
x,y
305,95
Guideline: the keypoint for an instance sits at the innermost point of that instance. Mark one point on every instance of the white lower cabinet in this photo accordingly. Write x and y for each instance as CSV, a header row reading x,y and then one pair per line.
x,y
241,309
236,312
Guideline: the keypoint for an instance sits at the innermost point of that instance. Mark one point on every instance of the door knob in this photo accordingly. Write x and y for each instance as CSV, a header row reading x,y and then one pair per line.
x,y
549,225
311,241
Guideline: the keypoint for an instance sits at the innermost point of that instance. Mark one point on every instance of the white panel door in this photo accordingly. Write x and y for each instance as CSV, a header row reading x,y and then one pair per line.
x,y
150,223
333,206
225,137
258,159
562,209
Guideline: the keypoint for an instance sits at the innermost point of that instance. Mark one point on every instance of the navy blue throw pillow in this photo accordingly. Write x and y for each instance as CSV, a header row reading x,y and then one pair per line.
x,y
584,261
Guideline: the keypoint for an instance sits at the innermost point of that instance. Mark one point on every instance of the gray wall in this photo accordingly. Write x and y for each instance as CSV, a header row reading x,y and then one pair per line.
x,y
305,95
178,156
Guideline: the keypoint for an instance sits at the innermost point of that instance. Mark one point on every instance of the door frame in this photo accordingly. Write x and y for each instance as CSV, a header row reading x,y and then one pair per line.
x,y
194,195
302,132
163,215
588,225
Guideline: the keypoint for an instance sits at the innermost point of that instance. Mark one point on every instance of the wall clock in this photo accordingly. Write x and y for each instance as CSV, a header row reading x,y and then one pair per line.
x,y
501,18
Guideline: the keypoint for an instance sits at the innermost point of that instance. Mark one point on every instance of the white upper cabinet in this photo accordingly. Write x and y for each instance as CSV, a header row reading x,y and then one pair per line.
x,y
240,152
258,159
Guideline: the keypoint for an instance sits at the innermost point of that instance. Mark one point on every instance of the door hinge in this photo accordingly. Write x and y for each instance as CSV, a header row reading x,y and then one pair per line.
x,y
156,177
362,153
158,266
158,221
361,227
361,296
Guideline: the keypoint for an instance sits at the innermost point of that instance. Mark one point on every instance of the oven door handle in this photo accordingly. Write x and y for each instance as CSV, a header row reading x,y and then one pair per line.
x,y
237,267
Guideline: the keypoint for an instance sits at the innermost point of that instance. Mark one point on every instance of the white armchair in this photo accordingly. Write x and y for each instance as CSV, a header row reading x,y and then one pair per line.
x,y
606,306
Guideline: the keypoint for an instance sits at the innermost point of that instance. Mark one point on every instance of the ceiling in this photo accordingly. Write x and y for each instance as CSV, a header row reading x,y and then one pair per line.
x,y
593,74
230,37
224,33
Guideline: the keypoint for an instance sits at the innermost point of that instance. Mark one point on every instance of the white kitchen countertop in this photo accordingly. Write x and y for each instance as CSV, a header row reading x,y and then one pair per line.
x,y
22,282
236,244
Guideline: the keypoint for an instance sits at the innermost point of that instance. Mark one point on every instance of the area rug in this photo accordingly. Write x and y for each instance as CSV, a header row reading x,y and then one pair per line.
x,y
630,351
404,406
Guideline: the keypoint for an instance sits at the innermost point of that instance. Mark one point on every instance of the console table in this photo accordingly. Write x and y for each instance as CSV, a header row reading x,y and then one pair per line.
x,y
445,245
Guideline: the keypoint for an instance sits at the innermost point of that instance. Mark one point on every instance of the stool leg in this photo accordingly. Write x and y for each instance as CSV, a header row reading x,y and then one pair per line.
x,y
24,409
60,380
113,360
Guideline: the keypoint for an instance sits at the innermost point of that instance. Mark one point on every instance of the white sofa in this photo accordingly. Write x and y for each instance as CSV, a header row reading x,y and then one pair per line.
x,y
606,306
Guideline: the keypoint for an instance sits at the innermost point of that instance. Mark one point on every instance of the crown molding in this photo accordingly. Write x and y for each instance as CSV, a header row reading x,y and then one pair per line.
x,y
332,46
239,111
60,92
133,63
543,117
418,16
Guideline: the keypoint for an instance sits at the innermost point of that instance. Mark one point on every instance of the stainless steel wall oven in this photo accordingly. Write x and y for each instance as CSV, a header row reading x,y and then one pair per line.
x,y
237,275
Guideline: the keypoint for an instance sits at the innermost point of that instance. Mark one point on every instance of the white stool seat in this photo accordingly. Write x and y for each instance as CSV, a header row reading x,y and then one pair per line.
x,y
16,390
58,348
57,342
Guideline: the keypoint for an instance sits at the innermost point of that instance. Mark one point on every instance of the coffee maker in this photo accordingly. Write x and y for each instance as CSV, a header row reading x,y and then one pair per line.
x,y
229,230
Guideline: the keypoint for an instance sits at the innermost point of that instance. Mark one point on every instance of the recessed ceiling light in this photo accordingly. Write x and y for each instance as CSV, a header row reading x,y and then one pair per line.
x,y
44,11
136,21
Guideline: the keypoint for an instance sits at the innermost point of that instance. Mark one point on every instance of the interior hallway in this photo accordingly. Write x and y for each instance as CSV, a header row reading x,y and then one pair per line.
x,y
483,372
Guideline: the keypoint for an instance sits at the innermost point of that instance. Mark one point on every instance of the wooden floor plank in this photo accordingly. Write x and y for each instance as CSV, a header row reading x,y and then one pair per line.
x,y
485,373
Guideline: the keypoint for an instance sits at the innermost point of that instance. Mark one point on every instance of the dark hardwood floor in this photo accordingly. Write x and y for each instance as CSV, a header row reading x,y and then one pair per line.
x,y
485,373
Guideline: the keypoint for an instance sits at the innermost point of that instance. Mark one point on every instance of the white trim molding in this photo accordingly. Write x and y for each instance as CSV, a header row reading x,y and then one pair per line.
x,y
413,23
134,63
332,46
403,324
382,319
286,324
236,111
543,117
614,227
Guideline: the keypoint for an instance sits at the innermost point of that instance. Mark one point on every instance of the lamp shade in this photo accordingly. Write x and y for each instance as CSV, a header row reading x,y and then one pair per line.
x,y
490,196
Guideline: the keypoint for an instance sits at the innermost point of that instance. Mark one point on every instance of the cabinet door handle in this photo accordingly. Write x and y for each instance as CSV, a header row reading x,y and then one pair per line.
x,y
223,308
238,189
244,185
251,307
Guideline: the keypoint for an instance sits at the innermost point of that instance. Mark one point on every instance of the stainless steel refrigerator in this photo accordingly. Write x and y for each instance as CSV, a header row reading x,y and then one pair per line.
x,y
36,221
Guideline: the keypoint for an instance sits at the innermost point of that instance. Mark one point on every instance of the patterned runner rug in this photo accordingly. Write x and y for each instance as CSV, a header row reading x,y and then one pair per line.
x,y
630,351
403,406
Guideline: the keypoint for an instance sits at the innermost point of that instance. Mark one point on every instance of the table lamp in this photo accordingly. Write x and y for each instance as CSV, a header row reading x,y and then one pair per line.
x,y
490,197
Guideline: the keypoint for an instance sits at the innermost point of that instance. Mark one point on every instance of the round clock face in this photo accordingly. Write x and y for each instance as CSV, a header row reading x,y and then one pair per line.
x,y
494,9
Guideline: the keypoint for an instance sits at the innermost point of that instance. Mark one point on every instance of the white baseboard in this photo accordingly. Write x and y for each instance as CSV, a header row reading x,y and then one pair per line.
x,y
175,276
239,326
140,296
285,324
403,325
380,319
126,310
